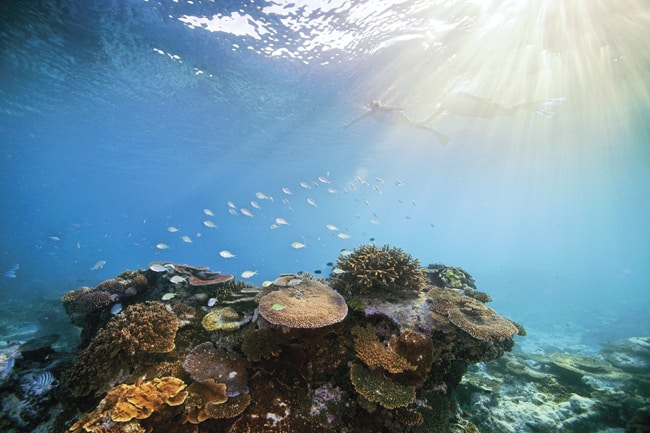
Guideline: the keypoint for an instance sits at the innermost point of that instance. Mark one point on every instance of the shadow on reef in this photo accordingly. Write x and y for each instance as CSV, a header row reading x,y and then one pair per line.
x,y
176,348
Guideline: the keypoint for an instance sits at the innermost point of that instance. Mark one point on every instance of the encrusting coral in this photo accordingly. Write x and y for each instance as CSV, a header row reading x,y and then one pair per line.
x,y
381,271
376,387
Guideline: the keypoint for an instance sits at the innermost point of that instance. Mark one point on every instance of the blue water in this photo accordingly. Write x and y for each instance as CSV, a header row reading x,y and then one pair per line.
x,y
119,120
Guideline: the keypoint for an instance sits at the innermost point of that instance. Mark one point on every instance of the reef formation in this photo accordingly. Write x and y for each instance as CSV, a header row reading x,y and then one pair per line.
x,y
380,346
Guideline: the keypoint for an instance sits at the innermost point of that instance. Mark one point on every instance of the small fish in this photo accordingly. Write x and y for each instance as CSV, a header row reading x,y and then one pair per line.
x,y
332,227
287,191
379,180
323,179
208,212
255,204
371,239
344,235
211,302
157,267
376,188
312,202
329,264
11,272
168,296
281,221
332,191
177,279
374,221
209,224
278,307
317,271
345,252
298,245
305,185
266,283
227,254
232,205
187,239
162,246
398,182
232,211
338,271
115,309
294,282
248,274
172,229
274,226
262,196
78,245
246,212
55,238
99,265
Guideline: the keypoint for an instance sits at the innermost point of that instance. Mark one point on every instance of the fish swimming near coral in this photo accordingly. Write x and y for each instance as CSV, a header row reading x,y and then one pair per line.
x,y
34,386
99,265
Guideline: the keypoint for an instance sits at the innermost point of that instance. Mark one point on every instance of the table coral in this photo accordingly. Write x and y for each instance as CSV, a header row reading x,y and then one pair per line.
x,y
382,270
471,315
305,304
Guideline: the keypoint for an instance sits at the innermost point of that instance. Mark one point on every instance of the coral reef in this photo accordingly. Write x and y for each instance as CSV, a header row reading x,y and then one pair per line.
x,y
291,356
382,271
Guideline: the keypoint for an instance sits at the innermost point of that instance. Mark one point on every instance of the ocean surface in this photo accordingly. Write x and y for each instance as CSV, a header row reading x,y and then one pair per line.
x,y
139,131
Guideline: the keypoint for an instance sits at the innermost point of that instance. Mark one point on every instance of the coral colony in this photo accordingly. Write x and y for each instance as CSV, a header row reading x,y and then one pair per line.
x,y
377,347
382,345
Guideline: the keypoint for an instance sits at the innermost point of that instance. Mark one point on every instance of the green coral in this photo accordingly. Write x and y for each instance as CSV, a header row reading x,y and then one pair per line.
x,y
374,386
372,269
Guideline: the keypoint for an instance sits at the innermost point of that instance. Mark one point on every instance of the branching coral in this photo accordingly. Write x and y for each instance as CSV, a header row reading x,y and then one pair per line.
x,y
372,270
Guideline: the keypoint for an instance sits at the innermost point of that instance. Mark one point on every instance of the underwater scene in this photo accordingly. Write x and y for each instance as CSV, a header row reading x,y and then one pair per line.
x,y
336,216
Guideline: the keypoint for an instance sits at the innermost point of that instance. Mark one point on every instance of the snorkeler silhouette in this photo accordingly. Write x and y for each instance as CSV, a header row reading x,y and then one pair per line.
x,y
396,116
470,105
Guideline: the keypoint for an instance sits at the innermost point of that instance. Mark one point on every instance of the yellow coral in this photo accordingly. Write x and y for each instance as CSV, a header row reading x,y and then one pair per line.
x,y
374,386
222,319
374,354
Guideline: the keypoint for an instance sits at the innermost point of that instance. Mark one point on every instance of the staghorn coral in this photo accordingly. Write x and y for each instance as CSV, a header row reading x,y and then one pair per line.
x,y
375,387
124,404
123,345
470,315
374,354
305,304
383,270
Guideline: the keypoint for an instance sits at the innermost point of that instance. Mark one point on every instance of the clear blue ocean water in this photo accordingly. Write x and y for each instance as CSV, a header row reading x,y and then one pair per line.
x,y
121,119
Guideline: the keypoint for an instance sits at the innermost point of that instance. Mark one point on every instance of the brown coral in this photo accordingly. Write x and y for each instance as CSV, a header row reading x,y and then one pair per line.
x,y
205,362
209,399
417,349
125,403
123,345
85,301
471,315
222,319
375,387
374,354
382,270
305,304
